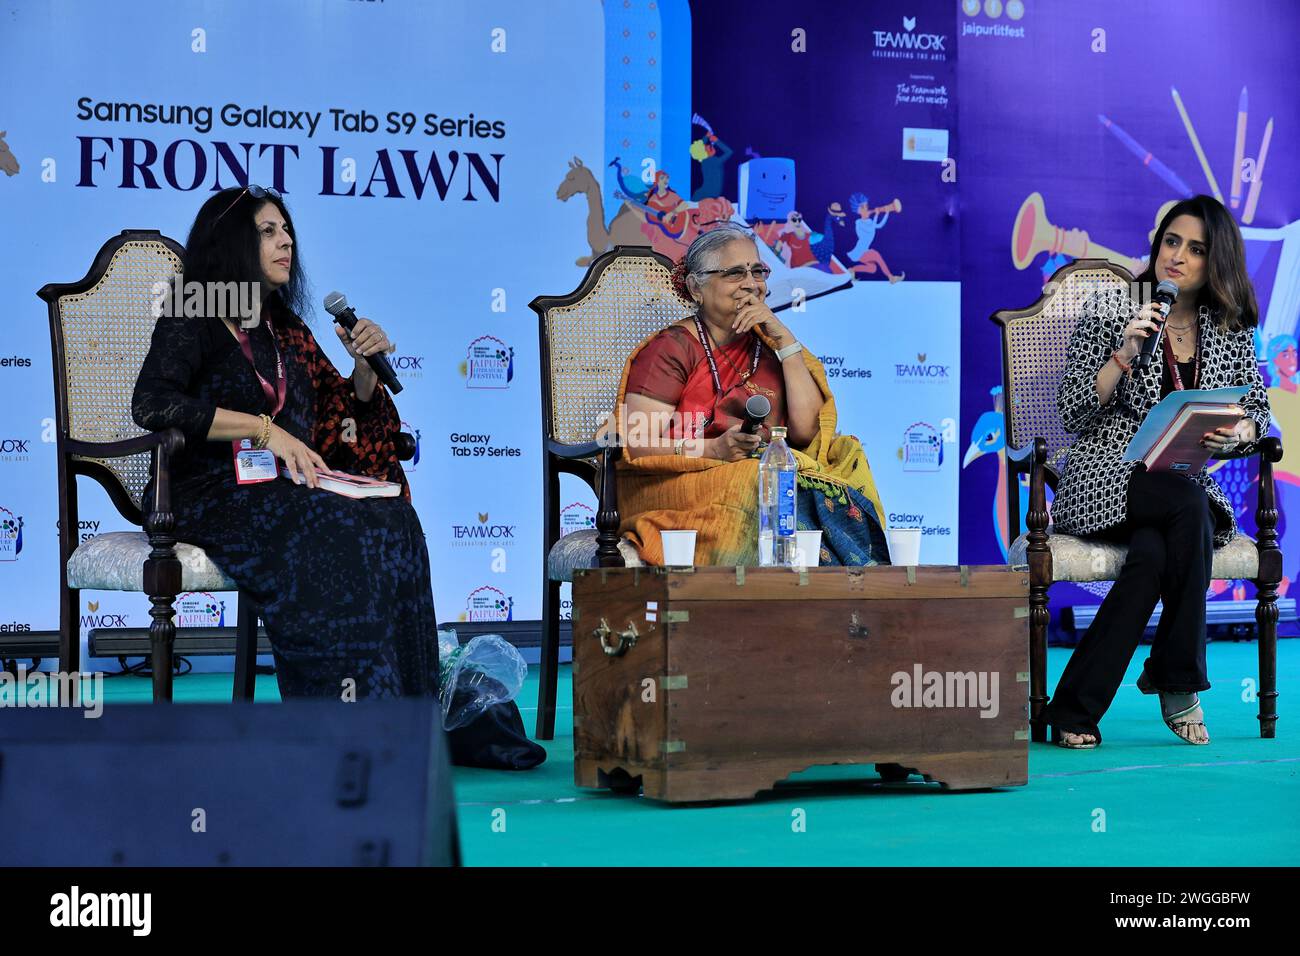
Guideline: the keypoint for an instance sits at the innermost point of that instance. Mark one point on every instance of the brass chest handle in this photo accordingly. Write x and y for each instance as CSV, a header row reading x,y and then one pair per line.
x,y
626,638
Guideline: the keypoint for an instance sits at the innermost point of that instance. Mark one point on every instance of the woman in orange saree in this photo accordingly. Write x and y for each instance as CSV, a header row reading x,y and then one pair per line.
x,y
688,464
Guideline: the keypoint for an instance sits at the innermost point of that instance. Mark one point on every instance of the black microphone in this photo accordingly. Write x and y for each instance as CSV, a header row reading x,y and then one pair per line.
x,y
757,408
336,304
1167,293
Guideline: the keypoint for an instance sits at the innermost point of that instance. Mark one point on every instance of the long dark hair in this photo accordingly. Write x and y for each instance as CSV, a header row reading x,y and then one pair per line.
x,y
223,246
1227,290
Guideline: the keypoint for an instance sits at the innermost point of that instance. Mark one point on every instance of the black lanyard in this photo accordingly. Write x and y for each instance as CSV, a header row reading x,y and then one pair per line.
x,y
274,396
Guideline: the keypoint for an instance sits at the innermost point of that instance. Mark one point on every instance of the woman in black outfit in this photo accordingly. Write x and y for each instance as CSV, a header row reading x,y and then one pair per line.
x,y
1171,522
342,584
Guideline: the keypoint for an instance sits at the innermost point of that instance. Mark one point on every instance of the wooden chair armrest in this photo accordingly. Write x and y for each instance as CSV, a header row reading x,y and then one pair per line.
x,y
169,438
607,519
587,449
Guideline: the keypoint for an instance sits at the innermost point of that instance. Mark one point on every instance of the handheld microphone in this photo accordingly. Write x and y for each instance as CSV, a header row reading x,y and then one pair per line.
x,y
1167,293
336,304
757,408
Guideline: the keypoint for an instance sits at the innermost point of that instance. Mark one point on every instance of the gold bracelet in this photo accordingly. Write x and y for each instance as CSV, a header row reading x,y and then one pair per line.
x,y
263,432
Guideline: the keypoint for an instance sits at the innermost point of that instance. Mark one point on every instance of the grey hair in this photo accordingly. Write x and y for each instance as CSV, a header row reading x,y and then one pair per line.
x,y
703,252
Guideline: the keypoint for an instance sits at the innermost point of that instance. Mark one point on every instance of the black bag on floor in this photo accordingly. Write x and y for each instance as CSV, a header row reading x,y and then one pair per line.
x,y
495,740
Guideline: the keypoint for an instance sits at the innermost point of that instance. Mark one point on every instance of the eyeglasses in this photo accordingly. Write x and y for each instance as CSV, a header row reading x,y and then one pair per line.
x,y
254,190
738,273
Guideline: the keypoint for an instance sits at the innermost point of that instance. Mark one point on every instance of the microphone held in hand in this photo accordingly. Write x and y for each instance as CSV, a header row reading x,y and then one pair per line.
x,y
757,408
336,304
1166,293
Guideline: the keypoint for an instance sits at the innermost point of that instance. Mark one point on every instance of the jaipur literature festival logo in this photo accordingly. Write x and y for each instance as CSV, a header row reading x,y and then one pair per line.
x,y
922,448
488,604
576,517
199,609
11,535
409,466
489,363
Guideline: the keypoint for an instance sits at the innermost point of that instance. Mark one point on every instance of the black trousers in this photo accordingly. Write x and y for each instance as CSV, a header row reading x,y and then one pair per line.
x,y
1170,534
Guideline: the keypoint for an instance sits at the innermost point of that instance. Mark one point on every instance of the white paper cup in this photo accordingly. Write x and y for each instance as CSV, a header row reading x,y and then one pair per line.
x,y
905,546
807,549
679,548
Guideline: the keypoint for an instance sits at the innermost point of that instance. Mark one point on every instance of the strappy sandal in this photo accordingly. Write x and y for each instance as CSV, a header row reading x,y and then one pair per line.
x,y
1172,721
1059,739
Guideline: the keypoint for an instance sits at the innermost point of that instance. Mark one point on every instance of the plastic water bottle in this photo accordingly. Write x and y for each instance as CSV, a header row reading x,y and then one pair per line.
x,y
776,503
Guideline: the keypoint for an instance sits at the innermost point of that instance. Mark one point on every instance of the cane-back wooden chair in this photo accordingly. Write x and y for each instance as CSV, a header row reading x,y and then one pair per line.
x,y
1034,342
100,330
586,338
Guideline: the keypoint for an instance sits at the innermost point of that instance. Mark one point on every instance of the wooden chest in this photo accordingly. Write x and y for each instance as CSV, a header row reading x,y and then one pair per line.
x,y
716,683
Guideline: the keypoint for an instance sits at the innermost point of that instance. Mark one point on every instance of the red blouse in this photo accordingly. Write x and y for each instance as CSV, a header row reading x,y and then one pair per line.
x,y
672,368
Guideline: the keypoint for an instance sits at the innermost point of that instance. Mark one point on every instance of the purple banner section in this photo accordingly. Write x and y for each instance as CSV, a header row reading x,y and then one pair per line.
x,y
1079,122
809,108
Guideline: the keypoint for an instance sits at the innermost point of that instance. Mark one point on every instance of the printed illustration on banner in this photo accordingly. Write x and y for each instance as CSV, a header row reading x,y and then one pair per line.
x,y
409,466
922,448
488,604
11,535
199,609
489,363
576,517
8,162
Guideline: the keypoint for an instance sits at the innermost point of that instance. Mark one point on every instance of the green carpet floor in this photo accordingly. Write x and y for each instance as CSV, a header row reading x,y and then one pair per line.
x,y
1142,799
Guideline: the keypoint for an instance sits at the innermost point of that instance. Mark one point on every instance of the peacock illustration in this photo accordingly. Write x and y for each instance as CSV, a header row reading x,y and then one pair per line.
x,y
632,186
823,246
989,437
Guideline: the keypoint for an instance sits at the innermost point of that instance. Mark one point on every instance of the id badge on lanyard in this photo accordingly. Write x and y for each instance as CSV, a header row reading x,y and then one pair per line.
x,y
254,465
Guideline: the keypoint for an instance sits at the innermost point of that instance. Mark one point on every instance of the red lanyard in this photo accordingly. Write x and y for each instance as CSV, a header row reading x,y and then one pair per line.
x,y
713,365
1173,365
274,396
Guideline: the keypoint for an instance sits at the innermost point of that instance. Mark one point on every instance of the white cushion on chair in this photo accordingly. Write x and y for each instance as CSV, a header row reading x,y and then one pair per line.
x,y
578,550
1087,559
114,561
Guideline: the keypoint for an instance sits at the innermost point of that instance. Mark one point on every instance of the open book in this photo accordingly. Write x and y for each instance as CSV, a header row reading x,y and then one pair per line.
x,y
1170,438
351,486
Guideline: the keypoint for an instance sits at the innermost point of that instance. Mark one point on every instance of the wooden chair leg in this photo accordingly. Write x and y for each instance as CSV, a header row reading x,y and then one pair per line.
x,y
162,578
245,650
549,672
1039,558
1038,618
69,630
1270,575
1266,625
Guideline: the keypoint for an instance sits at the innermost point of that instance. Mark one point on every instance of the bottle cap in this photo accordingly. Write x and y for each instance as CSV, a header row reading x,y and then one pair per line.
x,y
778,431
